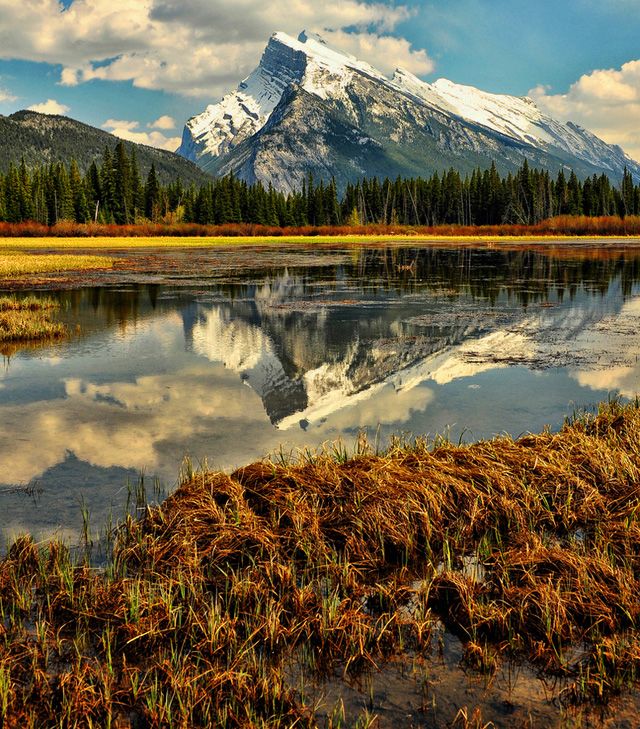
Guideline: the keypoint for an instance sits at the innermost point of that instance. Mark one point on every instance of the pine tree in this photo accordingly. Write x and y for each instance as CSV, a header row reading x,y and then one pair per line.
x,y
123,202
26,207
107,187
14,195
627,194
62,193
93,190
137,188
562,195
152,195
574,192
354,218
78,197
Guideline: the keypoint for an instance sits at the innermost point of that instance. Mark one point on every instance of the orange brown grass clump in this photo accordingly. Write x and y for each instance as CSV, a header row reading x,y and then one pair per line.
x,y
526,549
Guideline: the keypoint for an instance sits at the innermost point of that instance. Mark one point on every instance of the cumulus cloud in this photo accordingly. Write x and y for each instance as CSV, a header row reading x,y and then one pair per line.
x,y
130,130
6,95
164,122
144,41
623,380
388,51
605,101
50,106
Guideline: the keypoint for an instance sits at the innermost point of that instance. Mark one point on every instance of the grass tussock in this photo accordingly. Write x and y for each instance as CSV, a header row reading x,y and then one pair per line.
x,y
28,319
14,264
527,550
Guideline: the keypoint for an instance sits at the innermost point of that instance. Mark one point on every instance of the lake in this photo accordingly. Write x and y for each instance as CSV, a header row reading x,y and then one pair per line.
x,y
223,356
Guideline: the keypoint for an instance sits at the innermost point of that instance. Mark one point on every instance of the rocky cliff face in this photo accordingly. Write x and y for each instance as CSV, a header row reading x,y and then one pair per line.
x,y
307,108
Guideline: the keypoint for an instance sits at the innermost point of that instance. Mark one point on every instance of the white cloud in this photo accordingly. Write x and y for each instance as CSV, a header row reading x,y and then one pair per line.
x,y
130,130
605,101
194,47
615,379
50,106
6,95
388,51
70,77
120,124
164,122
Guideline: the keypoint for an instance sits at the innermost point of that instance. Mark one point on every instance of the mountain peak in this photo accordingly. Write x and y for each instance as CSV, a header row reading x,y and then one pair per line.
x,y
317,50
306,36
356,113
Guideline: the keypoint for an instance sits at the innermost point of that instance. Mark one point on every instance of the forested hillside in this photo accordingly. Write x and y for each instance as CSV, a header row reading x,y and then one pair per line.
x,y
42,139
115,191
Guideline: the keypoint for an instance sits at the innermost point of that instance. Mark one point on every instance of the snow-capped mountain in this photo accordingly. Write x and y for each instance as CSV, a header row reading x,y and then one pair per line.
x,y
517,117
308,107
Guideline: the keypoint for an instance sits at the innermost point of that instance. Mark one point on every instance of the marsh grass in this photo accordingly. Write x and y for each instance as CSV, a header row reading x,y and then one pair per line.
x,y
213,239
28,319
14,264
527,550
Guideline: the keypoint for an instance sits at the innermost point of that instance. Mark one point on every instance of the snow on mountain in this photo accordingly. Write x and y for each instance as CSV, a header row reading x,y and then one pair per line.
x,y
517,117
347,101
513,116
243,112
307,61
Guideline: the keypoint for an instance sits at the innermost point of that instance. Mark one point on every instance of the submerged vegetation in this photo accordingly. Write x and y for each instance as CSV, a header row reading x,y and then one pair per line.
x,y
28,319
218,607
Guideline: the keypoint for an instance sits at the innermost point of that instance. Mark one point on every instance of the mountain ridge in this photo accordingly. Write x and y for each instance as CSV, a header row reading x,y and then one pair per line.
x,y
416,127
45,138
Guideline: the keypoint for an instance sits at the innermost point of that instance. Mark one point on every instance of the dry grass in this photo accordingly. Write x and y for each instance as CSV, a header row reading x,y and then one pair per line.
x,y
28,319
14,264
526,549
220,241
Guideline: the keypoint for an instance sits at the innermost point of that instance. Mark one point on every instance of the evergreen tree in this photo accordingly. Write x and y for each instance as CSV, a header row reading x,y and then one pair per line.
x,y
627,190
123,199
152,195
137,204
112,191
78,197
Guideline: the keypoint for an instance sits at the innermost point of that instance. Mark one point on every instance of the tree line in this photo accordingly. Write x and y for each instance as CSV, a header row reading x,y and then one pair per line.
x,y
112,191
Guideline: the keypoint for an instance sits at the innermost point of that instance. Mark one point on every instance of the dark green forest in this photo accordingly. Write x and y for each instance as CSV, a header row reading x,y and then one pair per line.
x,y
43,139
114,192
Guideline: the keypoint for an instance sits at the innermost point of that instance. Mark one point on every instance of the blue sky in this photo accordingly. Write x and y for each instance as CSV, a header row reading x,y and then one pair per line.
x,y
142,67
511,46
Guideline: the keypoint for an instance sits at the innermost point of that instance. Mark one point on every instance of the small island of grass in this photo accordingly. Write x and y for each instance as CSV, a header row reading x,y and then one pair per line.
x,y
28,319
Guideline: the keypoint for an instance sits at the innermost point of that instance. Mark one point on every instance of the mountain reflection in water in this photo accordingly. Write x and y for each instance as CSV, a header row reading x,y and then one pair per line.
x,y
229,366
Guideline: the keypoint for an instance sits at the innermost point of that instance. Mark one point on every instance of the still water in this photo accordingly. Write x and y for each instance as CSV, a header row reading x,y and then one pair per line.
x,y
225,356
